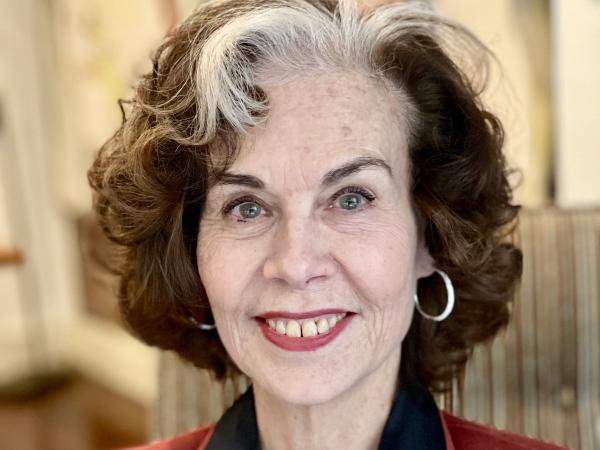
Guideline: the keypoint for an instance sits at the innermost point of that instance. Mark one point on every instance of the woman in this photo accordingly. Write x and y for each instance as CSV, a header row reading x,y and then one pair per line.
x,y
292,180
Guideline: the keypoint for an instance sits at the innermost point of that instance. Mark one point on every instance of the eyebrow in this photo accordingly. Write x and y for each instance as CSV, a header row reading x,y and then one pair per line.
x,y
333,176
241,180
354,166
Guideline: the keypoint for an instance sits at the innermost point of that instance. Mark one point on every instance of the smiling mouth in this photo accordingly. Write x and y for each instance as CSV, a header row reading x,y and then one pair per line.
x,y
309,327
304,332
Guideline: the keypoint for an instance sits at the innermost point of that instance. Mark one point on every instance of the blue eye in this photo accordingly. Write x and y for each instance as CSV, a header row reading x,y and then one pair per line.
x,y
349,201
353,198
248,208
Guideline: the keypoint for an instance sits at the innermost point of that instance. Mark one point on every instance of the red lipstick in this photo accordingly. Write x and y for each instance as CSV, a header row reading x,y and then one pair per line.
x,y
302,344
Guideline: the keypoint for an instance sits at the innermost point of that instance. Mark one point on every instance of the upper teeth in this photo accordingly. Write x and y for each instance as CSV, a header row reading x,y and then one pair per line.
x,y
305,327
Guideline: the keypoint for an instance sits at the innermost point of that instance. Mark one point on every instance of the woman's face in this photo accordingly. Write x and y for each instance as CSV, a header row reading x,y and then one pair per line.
x,y
312,232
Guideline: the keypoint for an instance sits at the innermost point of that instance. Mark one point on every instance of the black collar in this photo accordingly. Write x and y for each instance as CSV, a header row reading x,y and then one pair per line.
x,y
414,423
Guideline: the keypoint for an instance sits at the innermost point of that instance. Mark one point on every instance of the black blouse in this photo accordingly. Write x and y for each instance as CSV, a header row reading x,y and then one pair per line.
x,y
414,423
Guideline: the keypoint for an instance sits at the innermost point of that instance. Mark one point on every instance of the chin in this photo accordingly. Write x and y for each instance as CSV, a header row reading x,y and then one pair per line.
x,y
304,388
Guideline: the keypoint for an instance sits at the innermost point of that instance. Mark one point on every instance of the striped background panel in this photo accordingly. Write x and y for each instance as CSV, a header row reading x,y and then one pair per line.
x,y
539,377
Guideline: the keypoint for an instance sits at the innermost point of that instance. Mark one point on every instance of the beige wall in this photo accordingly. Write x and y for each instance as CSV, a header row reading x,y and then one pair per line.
x,y
12,332
41,302
33,223
576,27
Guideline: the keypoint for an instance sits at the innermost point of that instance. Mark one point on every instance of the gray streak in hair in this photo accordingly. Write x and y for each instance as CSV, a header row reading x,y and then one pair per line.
x,y
273,42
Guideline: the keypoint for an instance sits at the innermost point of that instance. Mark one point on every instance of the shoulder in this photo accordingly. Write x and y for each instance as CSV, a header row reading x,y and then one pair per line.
x,y
194,440
466,435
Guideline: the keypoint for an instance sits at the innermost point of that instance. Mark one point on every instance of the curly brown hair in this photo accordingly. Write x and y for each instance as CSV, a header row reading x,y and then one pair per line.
x,y
182,129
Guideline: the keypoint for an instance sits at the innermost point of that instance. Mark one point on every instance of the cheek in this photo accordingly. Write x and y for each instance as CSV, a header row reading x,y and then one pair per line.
x,y
382,259
222,271
215,270
227,267
381,267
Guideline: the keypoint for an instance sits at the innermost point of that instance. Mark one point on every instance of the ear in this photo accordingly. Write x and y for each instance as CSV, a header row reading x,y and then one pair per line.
x,y
424,263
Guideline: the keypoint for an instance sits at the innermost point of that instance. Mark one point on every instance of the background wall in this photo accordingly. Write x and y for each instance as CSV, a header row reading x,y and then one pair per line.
x,y
31,217
576,68
60,76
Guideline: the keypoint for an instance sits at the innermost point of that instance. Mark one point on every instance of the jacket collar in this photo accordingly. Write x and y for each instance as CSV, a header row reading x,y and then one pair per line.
x,y
414,422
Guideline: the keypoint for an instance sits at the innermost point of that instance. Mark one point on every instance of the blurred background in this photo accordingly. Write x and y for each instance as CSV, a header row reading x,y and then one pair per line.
x,y
72,378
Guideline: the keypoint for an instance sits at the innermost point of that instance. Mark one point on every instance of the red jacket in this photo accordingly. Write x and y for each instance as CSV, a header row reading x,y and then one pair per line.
x,y
460,434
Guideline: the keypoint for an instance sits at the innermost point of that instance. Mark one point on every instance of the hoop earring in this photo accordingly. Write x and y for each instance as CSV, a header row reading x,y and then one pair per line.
x,y
449,301
202,326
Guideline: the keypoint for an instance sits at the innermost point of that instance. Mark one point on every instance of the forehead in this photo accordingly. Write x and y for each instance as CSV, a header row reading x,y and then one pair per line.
x,y
320,120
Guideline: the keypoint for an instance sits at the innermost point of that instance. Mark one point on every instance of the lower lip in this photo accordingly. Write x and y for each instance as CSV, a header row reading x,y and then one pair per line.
x,y
303,344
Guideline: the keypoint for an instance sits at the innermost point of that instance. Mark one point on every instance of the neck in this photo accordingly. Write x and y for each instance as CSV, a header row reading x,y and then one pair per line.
x,y
353,420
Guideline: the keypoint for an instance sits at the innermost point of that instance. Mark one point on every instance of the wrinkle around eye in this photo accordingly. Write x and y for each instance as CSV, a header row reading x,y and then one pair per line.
x,y
219,228
235,227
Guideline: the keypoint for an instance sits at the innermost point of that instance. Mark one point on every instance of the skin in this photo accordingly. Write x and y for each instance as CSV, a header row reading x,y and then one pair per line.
x,y
307,250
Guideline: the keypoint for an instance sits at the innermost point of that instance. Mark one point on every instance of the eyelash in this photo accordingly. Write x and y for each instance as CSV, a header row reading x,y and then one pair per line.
x,y
354,190
369,197
239,201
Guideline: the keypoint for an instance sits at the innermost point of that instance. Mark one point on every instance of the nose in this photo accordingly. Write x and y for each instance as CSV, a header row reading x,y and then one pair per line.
x,y
299,254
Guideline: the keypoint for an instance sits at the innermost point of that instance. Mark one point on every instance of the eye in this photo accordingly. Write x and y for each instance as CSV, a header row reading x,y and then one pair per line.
x,y
250,210
353,198
243,208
